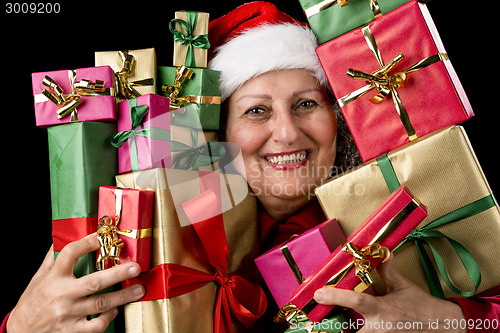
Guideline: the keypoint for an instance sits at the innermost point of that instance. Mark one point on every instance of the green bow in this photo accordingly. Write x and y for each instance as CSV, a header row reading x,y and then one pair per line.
x,y
137,115
421,236
200,41
194,157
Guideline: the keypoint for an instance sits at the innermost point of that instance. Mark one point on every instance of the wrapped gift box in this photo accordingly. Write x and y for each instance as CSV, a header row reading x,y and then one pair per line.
x,y
178,246
330,19
148,139
81,160
285,266
64,89
371,241
201,89
337,323
432,97
126,215
442,170
136,67
190,30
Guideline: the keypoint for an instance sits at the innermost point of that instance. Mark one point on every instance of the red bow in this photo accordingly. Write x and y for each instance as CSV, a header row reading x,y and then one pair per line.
x,y
243,298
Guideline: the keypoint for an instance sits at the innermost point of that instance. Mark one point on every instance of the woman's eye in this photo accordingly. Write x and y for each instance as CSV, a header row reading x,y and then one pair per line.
x,y
307,103
257,113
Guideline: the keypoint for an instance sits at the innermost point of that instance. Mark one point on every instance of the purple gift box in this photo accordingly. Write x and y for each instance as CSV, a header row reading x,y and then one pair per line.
x,y
283,266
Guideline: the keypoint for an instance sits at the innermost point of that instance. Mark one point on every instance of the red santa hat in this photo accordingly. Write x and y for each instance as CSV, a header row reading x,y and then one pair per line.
x,y
257,38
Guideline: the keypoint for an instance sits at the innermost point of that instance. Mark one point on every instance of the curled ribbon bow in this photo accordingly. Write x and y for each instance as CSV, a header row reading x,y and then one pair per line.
x,y
68,102
200,41
181,74
362,265
386,84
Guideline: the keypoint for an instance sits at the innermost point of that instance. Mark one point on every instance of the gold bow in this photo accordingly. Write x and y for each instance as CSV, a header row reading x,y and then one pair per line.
x,y
322,5
176,102
362,265
108,235
125,88
68,102
386,83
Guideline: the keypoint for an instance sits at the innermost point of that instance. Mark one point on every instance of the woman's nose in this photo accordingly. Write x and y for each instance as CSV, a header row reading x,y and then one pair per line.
x,y
285,128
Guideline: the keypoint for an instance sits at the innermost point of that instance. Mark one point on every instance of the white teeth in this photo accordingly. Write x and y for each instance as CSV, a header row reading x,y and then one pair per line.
x,y
287,159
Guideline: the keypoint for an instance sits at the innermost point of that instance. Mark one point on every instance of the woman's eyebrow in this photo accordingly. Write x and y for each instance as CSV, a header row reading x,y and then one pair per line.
x,y
263,96
300,92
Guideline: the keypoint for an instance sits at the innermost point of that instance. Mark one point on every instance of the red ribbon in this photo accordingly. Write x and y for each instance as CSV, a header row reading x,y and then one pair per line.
x,y
65,231
246,300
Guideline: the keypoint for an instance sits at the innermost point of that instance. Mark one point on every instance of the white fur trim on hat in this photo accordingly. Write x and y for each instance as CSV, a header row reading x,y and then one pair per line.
x,y
266,48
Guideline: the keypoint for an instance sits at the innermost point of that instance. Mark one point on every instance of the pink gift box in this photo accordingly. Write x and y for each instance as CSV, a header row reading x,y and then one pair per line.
x,y
91,108
308,251
388,225
433,96
135,223
141,152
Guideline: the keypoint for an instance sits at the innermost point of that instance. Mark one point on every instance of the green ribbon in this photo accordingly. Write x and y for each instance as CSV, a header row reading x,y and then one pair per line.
x,y
421,236
194,157
200,41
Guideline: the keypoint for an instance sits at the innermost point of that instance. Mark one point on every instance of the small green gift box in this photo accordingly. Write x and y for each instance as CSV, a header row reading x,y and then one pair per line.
x,y
331,18
196,91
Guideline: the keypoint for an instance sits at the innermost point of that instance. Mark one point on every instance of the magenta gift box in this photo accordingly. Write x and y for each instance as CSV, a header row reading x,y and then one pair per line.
x,y
308,250
101,106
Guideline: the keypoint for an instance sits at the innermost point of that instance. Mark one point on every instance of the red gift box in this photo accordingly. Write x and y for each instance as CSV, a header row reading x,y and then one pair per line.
x,y
364,249
430,98
125,226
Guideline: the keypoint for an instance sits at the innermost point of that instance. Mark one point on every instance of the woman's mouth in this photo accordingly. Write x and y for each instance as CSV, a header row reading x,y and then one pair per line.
x,y
287,159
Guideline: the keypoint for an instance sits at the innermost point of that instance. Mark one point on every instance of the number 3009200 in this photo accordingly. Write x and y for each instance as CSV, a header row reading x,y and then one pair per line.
x,y
32,8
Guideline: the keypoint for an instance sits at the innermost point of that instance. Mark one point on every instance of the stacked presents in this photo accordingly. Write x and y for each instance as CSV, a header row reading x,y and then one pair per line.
x,y
134,157
402,101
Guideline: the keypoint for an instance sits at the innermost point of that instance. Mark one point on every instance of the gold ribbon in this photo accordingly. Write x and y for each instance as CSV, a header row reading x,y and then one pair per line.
x,y
68,102
123,86
385,83
362,265
291,263
322,5
176,102
108,235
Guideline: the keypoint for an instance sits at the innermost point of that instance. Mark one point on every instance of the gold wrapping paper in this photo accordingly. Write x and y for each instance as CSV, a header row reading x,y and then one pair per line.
x,y
201,28
145,67
175,241
443,172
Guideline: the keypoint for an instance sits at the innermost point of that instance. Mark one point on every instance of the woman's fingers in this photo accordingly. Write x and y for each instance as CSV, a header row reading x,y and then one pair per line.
x,y
102,303
92,283
47,264
69,255
98,324
362,303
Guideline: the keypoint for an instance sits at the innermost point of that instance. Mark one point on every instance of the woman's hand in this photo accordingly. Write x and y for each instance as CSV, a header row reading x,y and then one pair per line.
x,y
405,307
56,301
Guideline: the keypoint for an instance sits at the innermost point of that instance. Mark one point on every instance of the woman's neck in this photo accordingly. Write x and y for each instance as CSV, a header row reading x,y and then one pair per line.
x,y
280,209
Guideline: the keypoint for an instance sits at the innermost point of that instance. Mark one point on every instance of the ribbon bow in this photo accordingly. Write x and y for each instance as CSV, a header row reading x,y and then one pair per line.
x,y
123,87
137,115
191,158
362,265
111,244
181,74
200,41
386,84
68,102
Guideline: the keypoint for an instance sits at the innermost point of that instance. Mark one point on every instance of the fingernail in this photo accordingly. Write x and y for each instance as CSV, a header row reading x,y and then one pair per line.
x,y
138,290
133,271
319,296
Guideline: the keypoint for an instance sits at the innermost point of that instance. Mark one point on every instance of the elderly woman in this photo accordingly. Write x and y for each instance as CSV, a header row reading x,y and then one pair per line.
x,y
278,110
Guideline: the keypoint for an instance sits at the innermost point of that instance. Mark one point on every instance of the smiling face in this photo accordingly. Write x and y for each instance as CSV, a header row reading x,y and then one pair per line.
x,y
286,128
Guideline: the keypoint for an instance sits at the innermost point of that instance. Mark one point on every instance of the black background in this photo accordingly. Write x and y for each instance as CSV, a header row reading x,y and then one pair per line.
x,y
45,42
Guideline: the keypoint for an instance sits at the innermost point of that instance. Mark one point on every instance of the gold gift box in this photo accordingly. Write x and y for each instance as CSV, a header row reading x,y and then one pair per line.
x,y
175,241
144,70
443,172
185,135
201,28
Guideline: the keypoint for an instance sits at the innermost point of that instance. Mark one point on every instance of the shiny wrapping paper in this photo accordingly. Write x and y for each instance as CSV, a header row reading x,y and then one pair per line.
x,y
386,226
442,170
433,97
176,242
306,252
153,141
91,108
203,82
143,75
329,20
194,41
135,216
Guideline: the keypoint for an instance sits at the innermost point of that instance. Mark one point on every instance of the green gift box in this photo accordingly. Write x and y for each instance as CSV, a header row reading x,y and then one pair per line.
x,y
329,20
198,94
335,324
81,159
